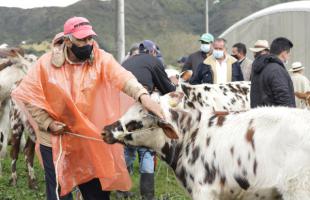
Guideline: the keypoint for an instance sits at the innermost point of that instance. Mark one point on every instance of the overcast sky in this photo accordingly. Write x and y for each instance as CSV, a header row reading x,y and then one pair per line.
x,y
35,3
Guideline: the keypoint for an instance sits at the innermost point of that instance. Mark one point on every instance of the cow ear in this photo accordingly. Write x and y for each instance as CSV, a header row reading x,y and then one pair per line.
x,y
186,75
168,130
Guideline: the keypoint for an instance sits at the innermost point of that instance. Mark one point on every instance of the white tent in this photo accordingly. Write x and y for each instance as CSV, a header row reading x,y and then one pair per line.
x,y
290,20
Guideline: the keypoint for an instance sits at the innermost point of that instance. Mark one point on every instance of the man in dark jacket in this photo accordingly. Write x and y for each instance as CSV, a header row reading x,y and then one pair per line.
x,y
150,72
271,84
219,67
198,57
148,69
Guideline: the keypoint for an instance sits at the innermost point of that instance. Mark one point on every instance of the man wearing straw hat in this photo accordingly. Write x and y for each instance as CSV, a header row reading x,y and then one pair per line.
x,y
261,47
300,82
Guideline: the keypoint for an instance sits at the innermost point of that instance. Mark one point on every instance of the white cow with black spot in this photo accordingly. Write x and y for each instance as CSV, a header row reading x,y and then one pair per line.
x,y
219,157
233,96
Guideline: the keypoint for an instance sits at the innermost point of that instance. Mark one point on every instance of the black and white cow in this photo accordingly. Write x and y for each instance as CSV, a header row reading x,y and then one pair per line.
x,y
219,156
233,96
11,117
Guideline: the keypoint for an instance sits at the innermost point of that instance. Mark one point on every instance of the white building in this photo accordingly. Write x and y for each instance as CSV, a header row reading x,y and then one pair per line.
x,y
289,20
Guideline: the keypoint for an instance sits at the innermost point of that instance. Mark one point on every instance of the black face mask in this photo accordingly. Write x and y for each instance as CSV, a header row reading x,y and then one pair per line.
x,y
82,53
257,54
235,56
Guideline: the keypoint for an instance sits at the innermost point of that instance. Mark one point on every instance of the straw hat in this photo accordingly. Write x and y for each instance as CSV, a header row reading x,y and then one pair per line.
x,y
260,45
296,66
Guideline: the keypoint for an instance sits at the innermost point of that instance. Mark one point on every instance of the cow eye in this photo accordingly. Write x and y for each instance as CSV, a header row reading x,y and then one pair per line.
x,y
133,125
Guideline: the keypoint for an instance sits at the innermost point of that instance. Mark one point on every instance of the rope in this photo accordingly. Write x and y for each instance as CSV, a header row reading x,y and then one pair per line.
x,y
84,137
56,167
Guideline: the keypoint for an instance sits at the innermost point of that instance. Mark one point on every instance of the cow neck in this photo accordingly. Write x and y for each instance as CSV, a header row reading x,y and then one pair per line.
x,y
171,151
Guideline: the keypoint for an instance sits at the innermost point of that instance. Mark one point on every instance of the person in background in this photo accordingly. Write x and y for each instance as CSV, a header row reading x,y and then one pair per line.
x,y
261,47
239,52
134,50
181,61
150,72
271,84
198,57
300,82
220,67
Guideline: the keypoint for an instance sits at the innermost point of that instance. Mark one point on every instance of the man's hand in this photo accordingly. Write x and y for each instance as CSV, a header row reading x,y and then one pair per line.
x,y
174,80
151,105
57,127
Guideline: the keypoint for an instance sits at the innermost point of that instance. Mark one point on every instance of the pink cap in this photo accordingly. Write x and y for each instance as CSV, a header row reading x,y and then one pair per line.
x,y
79,27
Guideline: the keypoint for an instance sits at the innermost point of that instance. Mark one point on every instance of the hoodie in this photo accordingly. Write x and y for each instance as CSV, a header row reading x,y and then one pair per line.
x,y
271,84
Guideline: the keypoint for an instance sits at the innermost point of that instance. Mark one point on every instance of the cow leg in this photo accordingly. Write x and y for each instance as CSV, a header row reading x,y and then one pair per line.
x,y
1,146
17,132
16,137
29,156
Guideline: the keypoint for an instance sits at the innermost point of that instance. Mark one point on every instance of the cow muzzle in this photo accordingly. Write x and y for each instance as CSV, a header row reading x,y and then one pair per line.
x,y
108,137
107,134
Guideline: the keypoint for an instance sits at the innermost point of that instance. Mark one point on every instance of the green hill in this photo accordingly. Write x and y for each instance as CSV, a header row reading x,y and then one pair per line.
x,y
174,24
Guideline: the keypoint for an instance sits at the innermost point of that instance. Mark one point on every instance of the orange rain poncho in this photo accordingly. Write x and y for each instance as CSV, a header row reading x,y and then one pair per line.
x,y
85,98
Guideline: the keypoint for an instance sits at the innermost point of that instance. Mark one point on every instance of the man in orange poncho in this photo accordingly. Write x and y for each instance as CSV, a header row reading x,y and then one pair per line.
x,y
71,95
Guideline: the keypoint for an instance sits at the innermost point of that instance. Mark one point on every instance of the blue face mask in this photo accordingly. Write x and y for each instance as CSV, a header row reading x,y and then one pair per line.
x,y
218,54
205,48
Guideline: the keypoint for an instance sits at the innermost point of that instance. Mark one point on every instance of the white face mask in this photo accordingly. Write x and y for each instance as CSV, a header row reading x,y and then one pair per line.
x,y
205,48
218,54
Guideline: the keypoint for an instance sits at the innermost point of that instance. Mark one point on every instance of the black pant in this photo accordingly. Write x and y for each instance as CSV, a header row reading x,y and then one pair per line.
x,y
90,190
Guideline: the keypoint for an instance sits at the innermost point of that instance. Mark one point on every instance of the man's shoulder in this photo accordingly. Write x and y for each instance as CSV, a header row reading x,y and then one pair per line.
x,y
102,53
46,57
195,54
274,67
247,61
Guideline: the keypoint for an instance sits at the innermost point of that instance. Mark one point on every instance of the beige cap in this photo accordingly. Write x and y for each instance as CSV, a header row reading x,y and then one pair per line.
x,y
296,66
260,45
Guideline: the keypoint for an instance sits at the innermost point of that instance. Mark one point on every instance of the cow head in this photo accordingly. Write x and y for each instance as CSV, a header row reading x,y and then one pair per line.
x,y
186,75
139,127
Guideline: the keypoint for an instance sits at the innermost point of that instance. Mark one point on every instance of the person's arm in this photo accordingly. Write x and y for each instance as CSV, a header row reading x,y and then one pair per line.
x,y
188,65
161,80
40,116
125,81
44,121
279,85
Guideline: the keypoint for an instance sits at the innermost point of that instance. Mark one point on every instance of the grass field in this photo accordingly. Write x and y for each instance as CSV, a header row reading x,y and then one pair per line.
x,y
166,187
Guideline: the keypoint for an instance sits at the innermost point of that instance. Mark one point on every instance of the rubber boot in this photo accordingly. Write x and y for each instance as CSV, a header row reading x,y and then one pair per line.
x,y
147,186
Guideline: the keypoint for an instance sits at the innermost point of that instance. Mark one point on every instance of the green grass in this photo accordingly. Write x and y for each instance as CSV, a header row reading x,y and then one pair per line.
x,y
166,186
